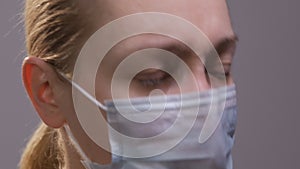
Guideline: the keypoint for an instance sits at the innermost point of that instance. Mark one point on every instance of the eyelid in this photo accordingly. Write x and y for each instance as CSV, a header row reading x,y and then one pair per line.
x,y
152,77
227,46
150,73
215,70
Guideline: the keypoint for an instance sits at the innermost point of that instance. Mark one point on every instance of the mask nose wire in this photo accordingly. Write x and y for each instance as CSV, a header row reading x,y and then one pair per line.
x,y
84,92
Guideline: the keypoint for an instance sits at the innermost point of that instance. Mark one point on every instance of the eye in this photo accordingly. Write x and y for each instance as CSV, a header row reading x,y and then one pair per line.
x,y
218,71
152,78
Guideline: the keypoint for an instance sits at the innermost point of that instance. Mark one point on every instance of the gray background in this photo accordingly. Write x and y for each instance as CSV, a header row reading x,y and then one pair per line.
x,y
265,70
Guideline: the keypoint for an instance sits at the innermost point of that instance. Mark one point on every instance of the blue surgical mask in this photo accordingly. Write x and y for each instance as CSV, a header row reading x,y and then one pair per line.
x,y
189,112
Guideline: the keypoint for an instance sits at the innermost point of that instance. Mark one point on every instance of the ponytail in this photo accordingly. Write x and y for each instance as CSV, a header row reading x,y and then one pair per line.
x,y
52,30
44,150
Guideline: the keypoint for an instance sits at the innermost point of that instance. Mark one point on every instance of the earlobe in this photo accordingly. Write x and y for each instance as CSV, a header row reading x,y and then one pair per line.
x,y
38,80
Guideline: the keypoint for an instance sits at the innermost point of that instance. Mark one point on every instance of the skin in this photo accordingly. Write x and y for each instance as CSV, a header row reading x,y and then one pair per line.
x,y
52,97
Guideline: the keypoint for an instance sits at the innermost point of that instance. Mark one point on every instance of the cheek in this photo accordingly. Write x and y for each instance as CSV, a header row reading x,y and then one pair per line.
x,y
66,103
103,86
79,131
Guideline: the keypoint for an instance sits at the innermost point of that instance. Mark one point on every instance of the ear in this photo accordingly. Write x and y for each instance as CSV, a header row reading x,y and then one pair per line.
x,y
40,81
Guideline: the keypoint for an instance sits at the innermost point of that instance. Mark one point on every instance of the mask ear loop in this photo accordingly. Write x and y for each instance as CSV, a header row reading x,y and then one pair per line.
x,y
85,93
75,143
86,161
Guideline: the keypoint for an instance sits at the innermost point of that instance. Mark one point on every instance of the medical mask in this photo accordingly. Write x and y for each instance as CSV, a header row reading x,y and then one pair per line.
x,y
173,123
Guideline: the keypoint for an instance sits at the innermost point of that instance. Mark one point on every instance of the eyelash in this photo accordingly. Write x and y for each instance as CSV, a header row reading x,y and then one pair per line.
x,y
219,74
158,78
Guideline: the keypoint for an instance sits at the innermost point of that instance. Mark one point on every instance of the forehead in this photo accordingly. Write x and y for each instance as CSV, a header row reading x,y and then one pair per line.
x,y
211,16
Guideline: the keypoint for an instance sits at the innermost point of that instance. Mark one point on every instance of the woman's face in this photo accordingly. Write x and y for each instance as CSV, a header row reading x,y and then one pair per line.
x,y
210,16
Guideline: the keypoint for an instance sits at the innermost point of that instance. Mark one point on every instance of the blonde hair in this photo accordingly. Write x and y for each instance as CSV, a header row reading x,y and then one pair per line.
x,y
52,29
44,150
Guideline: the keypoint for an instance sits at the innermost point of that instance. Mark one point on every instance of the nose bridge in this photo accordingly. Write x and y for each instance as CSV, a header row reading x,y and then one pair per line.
x,y
198,79
202,81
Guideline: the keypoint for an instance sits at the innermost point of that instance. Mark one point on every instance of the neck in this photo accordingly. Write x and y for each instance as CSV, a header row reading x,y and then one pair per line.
x,y
73,155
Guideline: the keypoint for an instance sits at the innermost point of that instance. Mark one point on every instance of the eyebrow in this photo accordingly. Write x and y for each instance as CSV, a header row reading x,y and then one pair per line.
x,y
223,45
226,44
